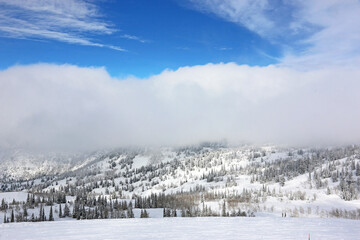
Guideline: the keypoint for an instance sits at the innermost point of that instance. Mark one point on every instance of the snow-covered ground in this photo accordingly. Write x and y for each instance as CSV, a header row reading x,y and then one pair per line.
x,y
186,228
9,196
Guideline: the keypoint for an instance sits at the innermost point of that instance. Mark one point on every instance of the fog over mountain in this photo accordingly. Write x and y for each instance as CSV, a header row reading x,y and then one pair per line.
x,y
79,108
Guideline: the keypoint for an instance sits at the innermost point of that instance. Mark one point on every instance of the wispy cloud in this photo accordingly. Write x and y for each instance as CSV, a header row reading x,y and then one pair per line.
x,y
132,37
224,48
337,40
270,19
71,21
248,13
314,32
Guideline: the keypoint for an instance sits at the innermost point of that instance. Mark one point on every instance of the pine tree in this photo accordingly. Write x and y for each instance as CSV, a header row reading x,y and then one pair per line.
x,y
43,217
60,212
106,213
357,173
168,212
12,216
3,205
51,217
130,213
28,199
66,211
25,212
41,213
146,215
223,214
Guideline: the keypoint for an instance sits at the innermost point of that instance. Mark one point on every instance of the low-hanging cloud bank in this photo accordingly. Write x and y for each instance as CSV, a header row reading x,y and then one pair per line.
x,y
74,108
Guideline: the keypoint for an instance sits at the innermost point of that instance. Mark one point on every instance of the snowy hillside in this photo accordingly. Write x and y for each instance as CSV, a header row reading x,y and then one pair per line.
x,y
19,164
205,180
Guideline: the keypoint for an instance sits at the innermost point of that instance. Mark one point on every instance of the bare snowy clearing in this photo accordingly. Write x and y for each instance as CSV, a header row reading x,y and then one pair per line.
x,y
10,196
186,228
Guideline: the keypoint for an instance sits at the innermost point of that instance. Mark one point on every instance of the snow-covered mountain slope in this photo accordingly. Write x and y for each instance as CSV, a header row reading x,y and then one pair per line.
x,y
16,164
216,180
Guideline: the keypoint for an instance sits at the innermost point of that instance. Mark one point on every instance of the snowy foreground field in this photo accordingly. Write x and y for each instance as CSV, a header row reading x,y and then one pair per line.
x,y
186,228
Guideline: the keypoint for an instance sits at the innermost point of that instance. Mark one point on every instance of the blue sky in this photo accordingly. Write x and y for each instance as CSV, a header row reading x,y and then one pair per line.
x,y
165,34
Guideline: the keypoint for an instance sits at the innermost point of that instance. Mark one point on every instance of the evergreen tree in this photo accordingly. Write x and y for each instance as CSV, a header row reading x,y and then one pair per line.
x,y
25,212
41,213
168,212
28,199
223,213
51,217
357,173
3,205
130,213
106,213
12,216
60,212
43,217
66,211
146,215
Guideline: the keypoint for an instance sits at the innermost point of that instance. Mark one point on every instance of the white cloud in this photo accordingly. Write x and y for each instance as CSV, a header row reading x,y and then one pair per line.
x,y
132,37
71,21
67,107
337,40
224,49
329,31
249,13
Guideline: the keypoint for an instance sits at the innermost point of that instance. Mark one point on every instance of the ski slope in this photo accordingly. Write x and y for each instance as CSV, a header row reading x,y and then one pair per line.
x,y
186,228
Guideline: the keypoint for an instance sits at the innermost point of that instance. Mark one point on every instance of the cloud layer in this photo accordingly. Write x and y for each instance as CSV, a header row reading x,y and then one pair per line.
x,y
72,108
